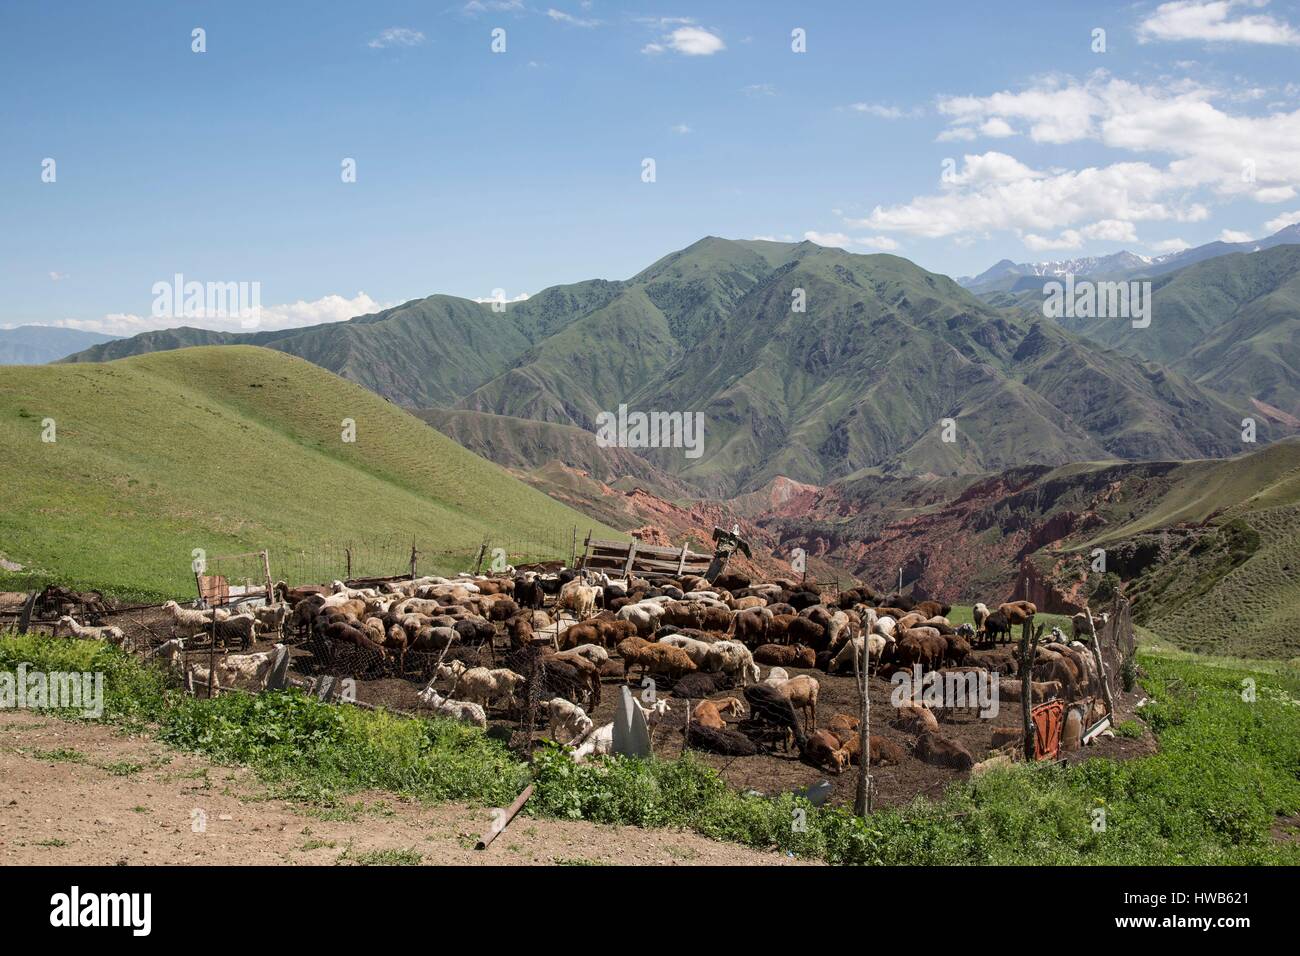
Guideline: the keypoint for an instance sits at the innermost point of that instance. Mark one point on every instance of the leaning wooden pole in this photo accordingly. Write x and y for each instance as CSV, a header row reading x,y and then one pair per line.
x,y
1026,692
502,819
862,673
1101,666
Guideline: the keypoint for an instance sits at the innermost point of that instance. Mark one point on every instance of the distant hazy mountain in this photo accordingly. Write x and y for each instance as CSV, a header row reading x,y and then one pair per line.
x,y
859,381
1008,276
38,344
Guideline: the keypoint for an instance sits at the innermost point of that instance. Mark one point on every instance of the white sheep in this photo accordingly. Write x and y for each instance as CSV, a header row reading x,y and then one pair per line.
x,y
479,685
591,652
696,650
461,710
776,677
600,742
114,635
568,718
189,617
732,658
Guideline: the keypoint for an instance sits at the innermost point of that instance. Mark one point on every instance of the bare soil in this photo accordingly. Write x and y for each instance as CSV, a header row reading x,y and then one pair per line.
x,y
82,793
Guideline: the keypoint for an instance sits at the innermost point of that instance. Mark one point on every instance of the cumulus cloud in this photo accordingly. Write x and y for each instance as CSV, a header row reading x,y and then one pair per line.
x,y
689,41
397,36
290,315
1279,223
1165,246
1209,153
840,240
1234,235
1218,21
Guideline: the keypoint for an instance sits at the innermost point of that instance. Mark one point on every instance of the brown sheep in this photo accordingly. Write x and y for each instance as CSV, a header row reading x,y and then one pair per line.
x,y
709,712
884,752
941,751
825,751
915,718
654,658
782,655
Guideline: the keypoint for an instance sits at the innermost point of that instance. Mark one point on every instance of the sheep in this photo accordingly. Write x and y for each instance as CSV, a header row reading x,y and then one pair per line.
x,y
579,598
785,655
776,677
464,711
568,718
479,685
109,633
709,712
1080,623
980,613
645,615
825,751
844,660
655,658
719,740
801,692
731,658
248,669
698,651
188,617
601,741
591,652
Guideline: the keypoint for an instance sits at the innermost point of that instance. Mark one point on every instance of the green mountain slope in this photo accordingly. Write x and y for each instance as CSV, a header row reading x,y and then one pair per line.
x,y
232,449
1230,324
861,380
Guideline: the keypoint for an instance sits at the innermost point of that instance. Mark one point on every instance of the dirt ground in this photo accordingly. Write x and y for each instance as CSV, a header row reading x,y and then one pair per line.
x,y
82,794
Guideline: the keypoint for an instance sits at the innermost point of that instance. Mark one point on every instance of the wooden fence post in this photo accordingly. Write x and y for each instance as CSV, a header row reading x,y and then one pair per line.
x,y
1101,667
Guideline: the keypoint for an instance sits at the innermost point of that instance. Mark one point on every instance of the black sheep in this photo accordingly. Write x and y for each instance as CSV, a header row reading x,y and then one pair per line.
x,y
729,743
768,705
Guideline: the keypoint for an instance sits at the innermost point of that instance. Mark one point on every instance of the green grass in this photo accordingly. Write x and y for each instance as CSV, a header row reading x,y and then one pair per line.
x,y
1227,768
233,449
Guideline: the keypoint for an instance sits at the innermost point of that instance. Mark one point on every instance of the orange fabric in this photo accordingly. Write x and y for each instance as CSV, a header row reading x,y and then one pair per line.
x,y
1048,719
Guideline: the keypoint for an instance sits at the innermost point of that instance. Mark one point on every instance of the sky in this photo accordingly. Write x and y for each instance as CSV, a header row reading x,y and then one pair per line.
x,y
949,133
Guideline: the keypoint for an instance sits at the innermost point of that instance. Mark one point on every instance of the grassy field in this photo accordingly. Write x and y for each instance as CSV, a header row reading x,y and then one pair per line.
x,y
1225,773
233,449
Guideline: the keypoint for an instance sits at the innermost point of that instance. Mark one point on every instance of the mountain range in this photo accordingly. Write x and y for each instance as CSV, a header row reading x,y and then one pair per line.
x,y
1008,276
861,381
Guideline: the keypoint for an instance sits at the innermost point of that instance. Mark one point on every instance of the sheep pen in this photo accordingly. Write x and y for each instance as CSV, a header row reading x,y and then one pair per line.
x,y
508,645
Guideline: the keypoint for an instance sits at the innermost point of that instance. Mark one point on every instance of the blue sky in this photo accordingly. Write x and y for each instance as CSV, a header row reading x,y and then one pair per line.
x,y
479,171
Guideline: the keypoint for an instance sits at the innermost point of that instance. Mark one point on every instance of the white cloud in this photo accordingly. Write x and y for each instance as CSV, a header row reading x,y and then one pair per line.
x,y
1070,239
561,17
997,128
1279,223
835,240
397,36
58,276
840,240
694,41
881,111
681,129
330,308
1165,246
759,89
1210,155
1234,235
994,191
521,297
475,7
652,48
1218,21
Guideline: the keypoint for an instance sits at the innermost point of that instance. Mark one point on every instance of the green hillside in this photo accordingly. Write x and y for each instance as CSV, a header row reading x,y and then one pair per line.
x,y
232,449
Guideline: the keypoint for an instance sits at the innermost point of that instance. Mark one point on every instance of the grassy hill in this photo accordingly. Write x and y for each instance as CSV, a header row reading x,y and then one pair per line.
x,y
231,449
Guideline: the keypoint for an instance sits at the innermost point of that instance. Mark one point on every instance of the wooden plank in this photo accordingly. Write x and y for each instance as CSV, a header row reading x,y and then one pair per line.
x,y
681,564
631,555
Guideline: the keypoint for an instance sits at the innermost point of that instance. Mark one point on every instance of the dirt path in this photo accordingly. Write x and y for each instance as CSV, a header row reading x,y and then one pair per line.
x,y
77,793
